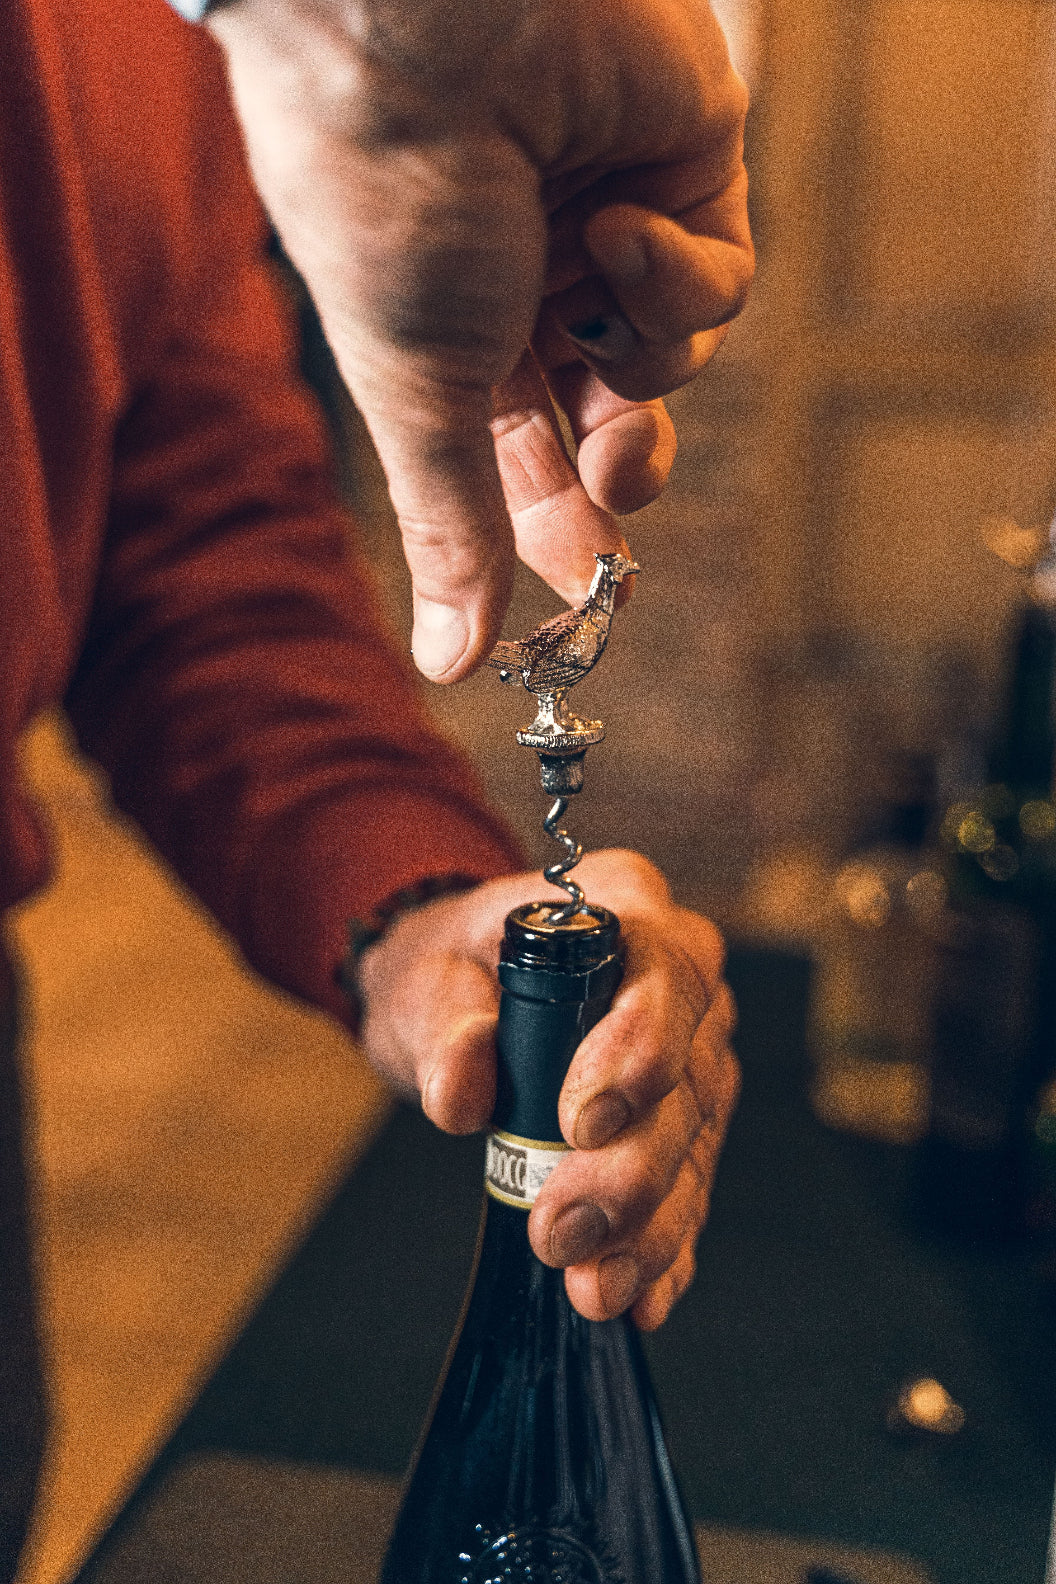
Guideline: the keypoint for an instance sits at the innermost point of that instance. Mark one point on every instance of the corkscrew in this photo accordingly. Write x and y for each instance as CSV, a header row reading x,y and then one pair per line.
x,y
559,873
549,662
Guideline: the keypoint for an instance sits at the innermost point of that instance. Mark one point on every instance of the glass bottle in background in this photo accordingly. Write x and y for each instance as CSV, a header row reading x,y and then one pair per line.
x,y
994,1011
873,971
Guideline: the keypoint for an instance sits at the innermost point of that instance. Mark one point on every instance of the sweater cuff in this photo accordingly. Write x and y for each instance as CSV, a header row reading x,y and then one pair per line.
x,y
341,859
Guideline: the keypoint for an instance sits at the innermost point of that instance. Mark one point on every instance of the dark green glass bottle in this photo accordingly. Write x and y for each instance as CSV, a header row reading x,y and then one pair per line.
x,y
543,1461
994,1025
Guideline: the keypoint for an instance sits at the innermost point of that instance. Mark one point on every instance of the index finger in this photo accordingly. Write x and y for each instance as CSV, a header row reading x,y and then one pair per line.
x,y
658,268
625,450
557,527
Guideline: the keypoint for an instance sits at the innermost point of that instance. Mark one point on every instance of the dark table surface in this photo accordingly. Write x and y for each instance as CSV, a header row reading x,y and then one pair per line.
x,y
815,1299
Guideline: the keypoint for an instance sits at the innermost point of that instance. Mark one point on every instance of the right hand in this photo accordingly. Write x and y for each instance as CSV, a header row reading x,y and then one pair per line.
x,y
460,180
647,1099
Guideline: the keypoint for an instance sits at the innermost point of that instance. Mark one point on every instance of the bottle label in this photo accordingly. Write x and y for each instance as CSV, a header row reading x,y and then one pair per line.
x,y
516,1168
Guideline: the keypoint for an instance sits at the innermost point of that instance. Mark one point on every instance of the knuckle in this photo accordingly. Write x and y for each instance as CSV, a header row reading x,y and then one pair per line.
x,y
446,549
688,991
694,1115
729,1085
626,865
684,1271
653,1306
425,536
701,1163
705,944
739,99
657,1069
650,1069
702,1160
732,301
724,1010
682,989
644,1191
712,1053
660,1251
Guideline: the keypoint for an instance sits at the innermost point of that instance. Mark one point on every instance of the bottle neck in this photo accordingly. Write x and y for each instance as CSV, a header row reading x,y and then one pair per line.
x,y
1024,753
558,981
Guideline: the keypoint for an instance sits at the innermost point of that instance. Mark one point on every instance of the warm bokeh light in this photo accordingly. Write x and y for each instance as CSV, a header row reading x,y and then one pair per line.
x,y
976,833
926,895
862,892
951,823
1037,820
927,1405
1017,546
1000,862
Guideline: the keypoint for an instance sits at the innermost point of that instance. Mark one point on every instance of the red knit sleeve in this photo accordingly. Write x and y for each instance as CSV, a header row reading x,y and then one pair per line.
x,y
235,679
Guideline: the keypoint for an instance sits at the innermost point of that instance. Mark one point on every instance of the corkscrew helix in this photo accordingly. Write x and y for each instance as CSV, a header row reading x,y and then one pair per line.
x,y
549,662
558,873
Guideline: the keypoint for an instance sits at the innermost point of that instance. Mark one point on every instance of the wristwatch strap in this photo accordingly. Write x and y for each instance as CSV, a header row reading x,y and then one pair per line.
x,y
192,10
364,932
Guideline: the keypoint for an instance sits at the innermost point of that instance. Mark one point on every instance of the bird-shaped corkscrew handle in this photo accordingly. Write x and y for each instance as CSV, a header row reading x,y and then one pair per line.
x,y
550,661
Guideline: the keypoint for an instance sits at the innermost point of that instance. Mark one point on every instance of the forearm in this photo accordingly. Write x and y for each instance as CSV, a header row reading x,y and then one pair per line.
x,y
235,678
240,691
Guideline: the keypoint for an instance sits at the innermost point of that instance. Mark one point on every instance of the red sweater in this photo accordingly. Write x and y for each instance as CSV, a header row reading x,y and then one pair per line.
x,y
173,563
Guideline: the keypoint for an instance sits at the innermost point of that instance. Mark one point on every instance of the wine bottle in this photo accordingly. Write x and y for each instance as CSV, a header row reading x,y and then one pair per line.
x,y
543,1460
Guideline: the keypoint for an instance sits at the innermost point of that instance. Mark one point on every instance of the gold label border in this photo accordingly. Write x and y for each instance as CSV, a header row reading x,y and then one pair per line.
x,y
527,1143
506,1199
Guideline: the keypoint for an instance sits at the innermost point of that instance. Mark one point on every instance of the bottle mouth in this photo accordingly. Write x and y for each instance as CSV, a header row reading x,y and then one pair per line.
x,y
540,918
533,939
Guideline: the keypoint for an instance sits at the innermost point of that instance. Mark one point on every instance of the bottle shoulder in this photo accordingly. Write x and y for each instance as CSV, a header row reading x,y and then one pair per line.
x,y
544,1429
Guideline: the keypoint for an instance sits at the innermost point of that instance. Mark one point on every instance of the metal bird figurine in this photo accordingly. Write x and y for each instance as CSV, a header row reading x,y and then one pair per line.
x,y
557,655
550,661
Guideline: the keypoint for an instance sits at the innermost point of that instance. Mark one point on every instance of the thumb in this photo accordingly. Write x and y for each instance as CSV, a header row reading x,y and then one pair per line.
x,y
439,459
455,1044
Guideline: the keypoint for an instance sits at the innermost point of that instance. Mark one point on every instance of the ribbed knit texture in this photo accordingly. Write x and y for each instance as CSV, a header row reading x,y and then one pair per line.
x,y
173,560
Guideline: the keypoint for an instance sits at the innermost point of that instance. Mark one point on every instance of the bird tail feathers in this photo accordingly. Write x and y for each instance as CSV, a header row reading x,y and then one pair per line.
x,y
506,656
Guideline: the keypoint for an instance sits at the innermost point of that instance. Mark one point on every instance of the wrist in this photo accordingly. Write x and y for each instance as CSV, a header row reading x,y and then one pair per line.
x,y
369,930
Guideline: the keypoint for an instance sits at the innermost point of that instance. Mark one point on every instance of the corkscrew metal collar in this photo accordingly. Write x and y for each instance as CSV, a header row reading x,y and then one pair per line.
x,y
549,662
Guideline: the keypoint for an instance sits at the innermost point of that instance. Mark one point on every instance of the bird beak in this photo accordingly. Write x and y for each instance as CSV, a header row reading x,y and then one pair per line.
x,y
633,567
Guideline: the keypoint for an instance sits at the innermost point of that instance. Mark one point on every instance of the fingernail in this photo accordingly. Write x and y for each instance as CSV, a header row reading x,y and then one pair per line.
x,y
441,633
605,336
619,1278
601,1119
578,1233
589,330
621,258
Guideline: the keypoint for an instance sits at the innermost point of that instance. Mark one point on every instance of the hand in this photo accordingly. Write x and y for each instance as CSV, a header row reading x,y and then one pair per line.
x,y
499,205
647,1099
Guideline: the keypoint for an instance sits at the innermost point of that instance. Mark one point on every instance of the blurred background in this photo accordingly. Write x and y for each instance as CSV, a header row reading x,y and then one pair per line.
x,y
819,593
829,712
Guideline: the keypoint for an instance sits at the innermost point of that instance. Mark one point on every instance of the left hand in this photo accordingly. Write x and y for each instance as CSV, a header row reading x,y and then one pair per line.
x,y
461,180
648,1096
